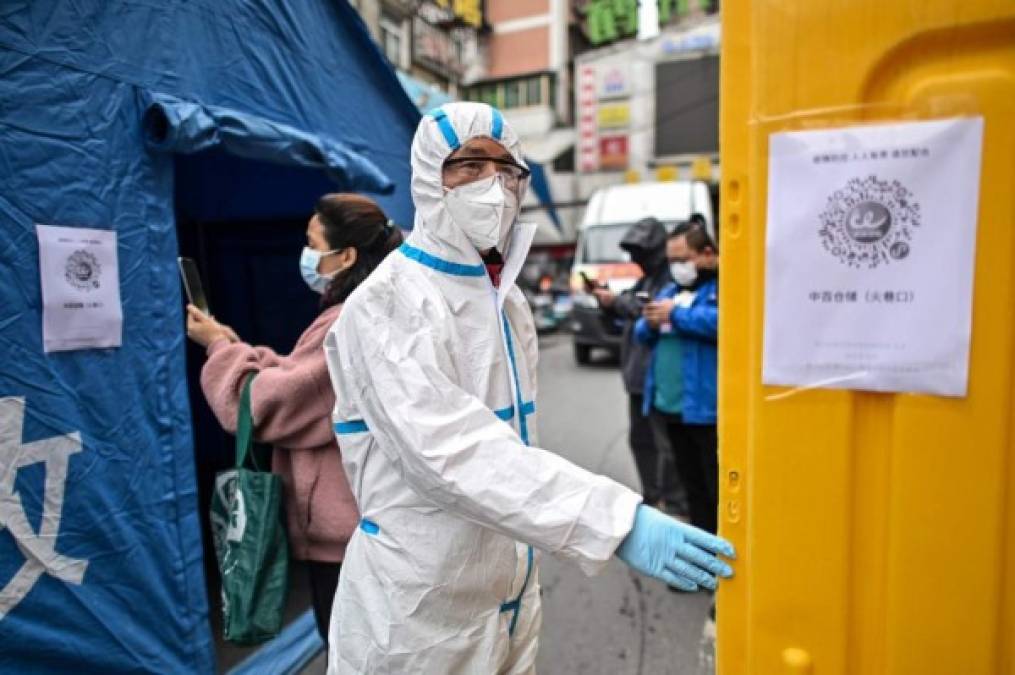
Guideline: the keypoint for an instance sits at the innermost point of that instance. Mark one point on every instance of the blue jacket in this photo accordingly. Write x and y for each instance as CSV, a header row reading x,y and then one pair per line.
x,y
698,327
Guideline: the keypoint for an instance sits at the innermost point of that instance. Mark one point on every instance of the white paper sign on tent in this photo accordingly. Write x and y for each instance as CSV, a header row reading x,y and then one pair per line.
x,y
80,288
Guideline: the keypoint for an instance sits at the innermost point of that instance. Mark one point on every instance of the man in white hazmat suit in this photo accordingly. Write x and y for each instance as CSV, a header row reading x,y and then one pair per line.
x,y
433,360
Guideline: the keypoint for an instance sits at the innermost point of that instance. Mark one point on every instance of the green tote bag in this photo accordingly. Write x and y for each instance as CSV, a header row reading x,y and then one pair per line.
x,y
250,541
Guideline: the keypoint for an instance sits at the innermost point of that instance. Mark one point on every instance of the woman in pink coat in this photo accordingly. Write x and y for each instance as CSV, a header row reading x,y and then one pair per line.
x,y
292,397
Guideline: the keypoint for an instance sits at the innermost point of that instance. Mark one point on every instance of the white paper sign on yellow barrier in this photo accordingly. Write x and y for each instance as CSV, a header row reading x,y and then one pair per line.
x,y
871,235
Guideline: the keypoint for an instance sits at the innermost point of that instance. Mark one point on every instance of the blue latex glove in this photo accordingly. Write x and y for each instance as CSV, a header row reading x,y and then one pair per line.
x,y
665,548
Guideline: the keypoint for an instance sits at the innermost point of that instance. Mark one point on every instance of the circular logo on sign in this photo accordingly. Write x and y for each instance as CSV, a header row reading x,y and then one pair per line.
x,y
899,250
870,222
613,83
82,271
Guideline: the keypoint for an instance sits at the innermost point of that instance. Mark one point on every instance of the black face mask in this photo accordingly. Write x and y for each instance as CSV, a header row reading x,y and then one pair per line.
x,y
705,274
649,263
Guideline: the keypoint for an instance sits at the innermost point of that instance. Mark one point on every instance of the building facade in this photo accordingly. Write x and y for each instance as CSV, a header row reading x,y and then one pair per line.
x,y
647,96
527,58
600,91
434,45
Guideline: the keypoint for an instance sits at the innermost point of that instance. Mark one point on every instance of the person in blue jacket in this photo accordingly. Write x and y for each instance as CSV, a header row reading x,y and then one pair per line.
x,y
681,325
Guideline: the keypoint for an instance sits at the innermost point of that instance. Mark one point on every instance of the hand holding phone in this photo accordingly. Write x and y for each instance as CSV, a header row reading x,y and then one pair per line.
x,y
192,284
205,330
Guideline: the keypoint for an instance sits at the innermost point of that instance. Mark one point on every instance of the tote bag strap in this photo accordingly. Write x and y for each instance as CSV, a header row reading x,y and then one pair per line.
x,y
245,428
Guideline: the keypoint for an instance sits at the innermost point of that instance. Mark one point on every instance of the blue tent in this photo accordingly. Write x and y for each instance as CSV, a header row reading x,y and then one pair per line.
x,y
424,95
208,126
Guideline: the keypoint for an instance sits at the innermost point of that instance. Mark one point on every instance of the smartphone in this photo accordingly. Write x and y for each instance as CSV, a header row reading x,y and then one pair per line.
x,y
643,297
589,284
192,284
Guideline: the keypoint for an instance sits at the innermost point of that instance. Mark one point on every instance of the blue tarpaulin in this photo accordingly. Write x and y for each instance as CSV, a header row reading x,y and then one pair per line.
x,y
281,100
288,653
426,96
541,186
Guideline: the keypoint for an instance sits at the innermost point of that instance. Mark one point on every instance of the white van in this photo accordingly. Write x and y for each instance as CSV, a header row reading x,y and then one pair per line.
x,y
670,202
610,213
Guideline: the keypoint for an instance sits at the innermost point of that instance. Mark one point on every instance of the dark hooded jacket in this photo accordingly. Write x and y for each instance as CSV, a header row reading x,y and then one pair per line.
x,y
646,244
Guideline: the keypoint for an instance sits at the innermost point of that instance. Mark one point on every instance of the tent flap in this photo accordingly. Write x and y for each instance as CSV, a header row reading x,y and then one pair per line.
x,y
172,124
541,186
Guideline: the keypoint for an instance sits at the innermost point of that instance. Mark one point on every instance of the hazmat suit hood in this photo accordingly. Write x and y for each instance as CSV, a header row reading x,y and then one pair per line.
x,y
440,133
645,242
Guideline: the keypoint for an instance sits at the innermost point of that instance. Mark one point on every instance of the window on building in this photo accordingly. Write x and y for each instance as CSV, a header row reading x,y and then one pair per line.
x,y
458,47
528,91
512,94
391,39
564,162
534,91
488,95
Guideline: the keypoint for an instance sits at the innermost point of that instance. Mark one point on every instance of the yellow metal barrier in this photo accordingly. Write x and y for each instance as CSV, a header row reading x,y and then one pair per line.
x,y
876,532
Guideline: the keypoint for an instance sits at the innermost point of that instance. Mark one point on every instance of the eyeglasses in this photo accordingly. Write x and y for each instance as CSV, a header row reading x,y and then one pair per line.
x,y
473,168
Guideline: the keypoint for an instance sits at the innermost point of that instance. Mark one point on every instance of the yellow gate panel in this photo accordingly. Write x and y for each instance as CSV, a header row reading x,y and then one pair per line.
x,y
876,532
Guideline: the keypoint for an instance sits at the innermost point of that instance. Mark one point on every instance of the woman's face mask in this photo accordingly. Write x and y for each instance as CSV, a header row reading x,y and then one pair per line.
x,y
485,210
309,262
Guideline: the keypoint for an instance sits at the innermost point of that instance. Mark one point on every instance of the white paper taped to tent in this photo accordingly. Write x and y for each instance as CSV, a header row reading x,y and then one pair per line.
x,y
80,288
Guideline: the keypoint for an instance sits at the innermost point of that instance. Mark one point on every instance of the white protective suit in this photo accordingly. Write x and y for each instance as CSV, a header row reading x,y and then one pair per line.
x,y
435,375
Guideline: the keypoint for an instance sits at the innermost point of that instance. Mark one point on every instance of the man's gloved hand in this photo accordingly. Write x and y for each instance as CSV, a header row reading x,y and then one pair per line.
x,y
681,555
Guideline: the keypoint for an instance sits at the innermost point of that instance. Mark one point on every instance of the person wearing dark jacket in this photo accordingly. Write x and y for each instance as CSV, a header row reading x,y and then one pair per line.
x,y
645,242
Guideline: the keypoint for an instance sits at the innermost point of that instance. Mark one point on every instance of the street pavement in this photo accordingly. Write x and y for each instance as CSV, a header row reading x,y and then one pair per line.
x,y
617,623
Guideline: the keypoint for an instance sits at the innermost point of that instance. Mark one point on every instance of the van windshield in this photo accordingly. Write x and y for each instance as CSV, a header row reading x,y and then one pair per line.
x,y
601,243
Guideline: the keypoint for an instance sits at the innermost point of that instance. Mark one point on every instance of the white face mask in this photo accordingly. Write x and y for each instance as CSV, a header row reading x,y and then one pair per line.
x,y
684,273
484,210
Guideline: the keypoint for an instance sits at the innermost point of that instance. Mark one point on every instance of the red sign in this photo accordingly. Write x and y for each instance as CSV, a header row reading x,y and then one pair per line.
x,y
588,160
613,152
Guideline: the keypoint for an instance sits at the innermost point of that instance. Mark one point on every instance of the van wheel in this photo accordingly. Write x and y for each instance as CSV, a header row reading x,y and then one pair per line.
x,y
582,354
